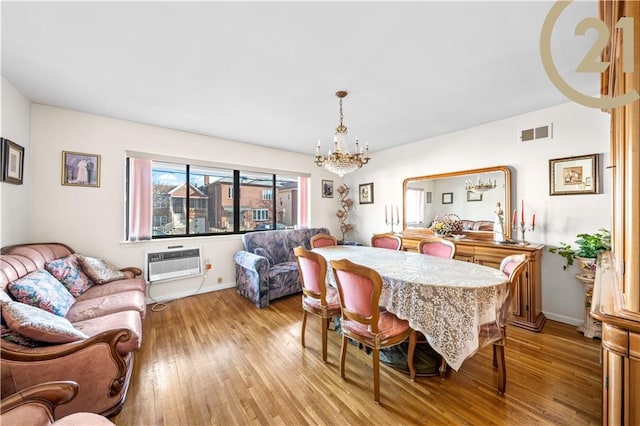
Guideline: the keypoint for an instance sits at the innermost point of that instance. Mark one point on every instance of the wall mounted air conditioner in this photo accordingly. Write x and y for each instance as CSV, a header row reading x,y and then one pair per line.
x,y
172,263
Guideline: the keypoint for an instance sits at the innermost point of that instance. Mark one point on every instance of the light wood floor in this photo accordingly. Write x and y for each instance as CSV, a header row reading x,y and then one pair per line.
x,y
215,359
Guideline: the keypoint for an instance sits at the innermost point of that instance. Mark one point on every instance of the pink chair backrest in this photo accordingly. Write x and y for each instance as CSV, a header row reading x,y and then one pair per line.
x,y
310,270
323,242
386,242
356,292
510,263
509,267
437,249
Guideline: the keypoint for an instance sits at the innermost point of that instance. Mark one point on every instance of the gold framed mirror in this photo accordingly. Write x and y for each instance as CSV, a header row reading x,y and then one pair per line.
x,y
424,197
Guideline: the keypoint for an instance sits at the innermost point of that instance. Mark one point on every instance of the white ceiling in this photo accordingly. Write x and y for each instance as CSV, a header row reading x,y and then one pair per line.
x,y
266,72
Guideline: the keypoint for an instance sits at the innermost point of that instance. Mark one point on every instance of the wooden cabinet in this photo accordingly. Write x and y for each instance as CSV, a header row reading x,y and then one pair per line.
x,y
616,294
527,300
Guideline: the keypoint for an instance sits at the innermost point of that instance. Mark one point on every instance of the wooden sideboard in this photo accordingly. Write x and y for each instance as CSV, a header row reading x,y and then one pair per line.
x,y
527,302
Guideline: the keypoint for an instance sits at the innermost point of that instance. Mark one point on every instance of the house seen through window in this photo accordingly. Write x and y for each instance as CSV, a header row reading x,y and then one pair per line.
x,y
196,200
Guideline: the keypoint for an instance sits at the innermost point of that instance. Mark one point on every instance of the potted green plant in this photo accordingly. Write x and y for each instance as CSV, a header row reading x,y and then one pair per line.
x,y
589,246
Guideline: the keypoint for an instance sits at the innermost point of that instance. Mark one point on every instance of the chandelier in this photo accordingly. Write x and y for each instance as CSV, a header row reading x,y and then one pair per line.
x,y
340,161
480,185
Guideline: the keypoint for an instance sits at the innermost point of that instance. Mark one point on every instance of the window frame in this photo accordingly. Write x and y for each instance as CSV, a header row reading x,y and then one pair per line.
x,y
234,190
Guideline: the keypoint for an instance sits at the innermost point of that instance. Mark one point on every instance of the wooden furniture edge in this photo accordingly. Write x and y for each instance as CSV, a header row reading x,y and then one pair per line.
x,y
608,300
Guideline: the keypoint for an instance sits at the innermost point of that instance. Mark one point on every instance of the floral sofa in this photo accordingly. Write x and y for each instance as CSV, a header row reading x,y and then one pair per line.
x,y
266,269
68,317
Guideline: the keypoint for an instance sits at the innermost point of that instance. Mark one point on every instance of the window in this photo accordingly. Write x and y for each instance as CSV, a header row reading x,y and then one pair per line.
x,y
260,214
172,199
415,205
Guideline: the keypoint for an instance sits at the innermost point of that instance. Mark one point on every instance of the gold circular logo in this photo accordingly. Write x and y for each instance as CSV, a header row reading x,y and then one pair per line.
x,y
589,63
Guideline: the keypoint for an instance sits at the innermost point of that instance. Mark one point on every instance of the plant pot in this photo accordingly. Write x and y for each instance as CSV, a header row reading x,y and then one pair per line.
x,y
587,266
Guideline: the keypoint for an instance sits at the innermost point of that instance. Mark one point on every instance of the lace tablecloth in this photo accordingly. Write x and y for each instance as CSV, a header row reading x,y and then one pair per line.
x,y
451,302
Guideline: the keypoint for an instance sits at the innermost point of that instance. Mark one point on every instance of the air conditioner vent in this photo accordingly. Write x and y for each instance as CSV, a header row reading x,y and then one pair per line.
x,y
173,263
542,132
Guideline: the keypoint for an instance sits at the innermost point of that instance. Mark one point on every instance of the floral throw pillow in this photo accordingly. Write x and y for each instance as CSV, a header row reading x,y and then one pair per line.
x,y
99,270
68,272
44,291
38,324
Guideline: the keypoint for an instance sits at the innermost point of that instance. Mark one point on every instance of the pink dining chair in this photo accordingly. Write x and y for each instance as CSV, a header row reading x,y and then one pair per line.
x,y
317,298
323,240
364,321
386,240
513,267
437,247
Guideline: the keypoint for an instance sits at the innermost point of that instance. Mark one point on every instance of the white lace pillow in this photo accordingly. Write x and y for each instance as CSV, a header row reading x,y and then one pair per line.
x,y
38,324
99,270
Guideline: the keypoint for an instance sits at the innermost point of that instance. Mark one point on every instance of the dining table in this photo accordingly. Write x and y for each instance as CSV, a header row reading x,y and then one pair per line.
x,y
457,305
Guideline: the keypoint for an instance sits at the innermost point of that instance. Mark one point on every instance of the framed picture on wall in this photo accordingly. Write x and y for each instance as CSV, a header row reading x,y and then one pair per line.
x,y
447,198
428,197
12,162
574,175
474,196
327,188
366,193
80,169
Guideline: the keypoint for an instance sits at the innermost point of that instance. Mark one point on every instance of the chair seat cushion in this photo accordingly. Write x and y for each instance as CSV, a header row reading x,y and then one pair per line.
x,y
101,306
389,326
126,319
114,287
313,305
283,273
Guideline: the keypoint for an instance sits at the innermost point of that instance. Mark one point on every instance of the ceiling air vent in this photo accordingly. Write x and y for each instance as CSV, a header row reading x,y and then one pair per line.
x,y
544,132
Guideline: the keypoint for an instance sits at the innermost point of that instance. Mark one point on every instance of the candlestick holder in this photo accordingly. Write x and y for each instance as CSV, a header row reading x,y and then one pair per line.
x,y
523,228
392,222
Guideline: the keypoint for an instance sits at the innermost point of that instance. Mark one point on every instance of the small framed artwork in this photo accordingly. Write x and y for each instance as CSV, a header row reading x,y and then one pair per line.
x,y
366,193
428,197
327,188
80,169
12,162
574,175
447,198
474,196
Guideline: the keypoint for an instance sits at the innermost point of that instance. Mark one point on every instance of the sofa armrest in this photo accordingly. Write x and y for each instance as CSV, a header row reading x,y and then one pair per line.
x,y
49,394
28,366
252,277
251,261
135,271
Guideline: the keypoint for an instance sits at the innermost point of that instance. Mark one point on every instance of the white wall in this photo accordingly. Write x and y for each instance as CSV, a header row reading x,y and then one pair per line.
x,y
91,220
15,124
577,130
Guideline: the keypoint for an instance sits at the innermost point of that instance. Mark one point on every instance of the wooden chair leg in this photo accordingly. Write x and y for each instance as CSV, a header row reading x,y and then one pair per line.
x,y
412,349
443,368
495,358
376,373
343,354
502,368
325,327
304,325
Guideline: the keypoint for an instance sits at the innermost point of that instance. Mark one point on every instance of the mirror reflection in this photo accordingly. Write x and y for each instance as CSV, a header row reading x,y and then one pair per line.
x,y
470,194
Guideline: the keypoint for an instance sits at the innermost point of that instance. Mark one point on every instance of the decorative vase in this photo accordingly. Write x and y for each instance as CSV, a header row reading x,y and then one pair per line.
x,y
587,266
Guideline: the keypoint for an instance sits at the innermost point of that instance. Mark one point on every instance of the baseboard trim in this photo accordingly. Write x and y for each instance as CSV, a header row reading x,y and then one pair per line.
x,y
183,294
564,319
